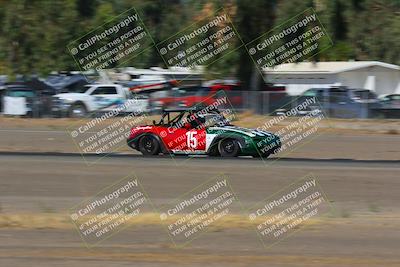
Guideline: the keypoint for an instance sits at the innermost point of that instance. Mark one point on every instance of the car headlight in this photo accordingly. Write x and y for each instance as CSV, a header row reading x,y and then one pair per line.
x,y
67,100
61,102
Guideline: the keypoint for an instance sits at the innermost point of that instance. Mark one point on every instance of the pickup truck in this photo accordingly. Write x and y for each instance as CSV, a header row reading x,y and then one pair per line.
x,y
97,98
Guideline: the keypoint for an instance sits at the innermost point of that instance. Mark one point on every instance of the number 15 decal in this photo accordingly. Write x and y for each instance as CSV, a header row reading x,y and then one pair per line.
x,y
191,140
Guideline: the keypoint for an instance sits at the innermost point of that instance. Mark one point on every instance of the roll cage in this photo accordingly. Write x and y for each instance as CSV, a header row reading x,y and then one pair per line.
x,y
185,115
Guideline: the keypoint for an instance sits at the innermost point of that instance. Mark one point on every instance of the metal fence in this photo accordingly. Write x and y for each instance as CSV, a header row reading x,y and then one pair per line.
x,y
337,106
273,103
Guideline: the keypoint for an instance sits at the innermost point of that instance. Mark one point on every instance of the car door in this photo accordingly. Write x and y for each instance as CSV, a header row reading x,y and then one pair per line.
x,y
196,140
395,101
106,97
186,140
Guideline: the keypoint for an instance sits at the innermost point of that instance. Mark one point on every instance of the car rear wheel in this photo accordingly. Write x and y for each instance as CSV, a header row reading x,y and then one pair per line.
x,y
149,145
228,148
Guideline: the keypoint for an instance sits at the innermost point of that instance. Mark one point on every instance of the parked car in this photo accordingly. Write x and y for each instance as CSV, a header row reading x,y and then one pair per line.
x,y
390,105
342,102
44,94
65,82
192,95
97,98
20,100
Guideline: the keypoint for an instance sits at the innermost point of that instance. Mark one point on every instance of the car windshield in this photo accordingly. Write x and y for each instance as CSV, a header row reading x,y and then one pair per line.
x,y
364,94
159,94
21,93
215,119
80,89
194,91
310,92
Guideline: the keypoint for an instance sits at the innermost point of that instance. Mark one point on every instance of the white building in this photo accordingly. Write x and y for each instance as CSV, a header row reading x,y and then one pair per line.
x,y
377,76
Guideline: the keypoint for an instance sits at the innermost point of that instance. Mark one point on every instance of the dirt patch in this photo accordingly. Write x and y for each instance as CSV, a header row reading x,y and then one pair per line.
x,y
356,126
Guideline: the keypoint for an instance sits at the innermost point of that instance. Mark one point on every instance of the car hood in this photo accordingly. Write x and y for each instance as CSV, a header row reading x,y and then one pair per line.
x,y
70,95
244,131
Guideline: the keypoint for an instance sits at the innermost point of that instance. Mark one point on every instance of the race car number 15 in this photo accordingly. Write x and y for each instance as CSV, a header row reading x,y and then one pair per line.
x,y
191,139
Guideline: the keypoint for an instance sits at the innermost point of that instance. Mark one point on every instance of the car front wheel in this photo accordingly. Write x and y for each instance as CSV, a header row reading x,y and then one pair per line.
x,y
228,148
77,111
149,145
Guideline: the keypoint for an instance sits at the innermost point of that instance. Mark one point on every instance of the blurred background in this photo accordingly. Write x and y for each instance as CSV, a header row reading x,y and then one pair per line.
x,y
354,155
357,77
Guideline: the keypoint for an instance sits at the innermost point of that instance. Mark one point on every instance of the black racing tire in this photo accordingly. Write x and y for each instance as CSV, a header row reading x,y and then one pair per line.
x,y
149,145
228,148
77,110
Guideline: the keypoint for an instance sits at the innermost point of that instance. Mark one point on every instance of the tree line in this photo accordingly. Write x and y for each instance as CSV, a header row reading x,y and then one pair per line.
x,y
34,33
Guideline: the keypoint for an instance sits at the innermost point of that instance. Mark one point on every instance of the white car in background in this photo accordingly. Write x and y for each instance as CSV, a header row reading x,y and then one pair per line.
x,y
98,98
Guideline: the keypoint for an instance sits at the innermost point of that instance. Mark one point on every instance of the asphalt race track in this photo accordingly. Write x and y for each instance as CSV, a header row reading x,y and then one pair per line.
x,y
361,231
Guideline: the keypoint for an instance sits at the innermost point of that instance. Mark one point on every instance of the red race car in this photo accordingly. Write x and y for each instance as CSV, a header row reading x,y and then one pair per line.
x,y
188,131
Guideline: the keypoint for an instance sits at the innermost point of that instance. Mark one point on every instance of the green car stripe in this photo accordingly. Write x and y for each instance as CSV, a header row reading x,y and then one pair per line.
x,y
252,141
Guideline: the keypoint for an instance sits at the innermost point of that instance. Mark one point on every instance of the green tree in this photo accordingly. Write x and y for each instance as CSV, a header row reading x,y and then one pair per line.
x,y
373,30
253,19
